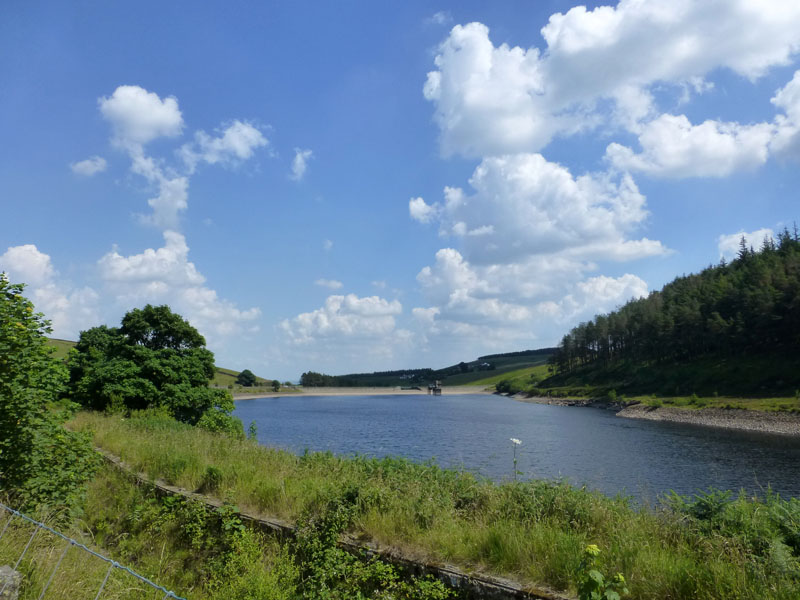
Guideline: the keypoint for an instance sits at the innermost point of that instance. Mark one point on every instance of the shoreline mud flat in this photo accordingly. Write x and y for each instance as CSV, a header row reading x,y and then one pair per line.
x,y
743,420
740,419
367,391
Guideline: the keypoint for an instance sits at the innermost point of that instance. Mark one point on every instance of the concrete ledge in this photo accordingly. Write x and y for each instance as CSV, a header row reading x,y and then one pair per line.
x,y
469,585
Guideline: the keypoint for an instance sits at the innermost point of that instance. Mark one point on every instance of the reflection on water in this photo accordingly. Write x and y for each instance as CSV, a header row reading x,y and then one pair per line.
x,y
585,445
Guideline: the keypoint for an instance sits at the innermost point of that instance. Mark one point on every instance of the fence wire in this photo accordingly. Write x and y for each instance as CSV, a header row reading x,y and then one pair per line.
x,y
112,564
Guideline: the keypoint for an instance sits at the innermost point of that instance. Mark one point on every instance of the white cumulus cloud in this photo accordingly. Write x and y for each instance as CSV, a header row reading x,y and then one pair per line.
x,y
69,309
90,166
524,206
498,99
236,143
138,116
165,275
730,243
673,147
421,211
300,163
331,284
787,138
345,316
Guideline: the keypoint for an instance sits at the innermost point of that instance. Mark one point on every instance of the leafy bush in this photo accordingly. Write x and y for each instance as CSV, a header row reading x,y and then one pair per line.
x,y
507,386
40,461
593,585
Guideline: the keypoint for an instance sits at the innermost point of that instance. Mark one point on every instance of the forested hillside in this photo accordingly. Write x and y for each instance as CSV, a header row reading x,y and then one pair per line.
x,y
749,307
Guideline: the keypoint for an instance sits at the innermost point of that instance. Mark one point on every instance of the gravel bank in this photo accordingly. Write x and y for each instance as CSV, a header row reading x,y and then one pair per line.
x,y
747,420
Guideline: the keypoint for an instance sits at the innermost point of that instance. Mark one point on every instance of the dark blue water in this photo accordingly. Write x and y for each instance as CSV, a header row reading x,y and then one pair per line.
x,y
584,445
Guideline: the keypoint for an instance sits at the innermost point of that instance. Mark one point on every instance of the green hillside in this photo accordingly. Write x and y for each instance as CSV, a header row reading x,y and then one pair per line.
x,y
731,330
62,347
520,378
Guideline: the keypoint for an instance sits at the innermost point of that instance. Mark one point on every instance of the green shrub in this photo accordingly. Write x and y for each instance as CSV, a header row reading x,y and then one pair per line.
x,y
40,461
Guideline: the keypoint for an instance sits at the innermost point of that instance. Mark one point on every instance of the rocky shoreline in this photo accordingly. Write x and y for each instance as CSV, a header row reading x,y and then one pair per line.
x,y
739,419
743,420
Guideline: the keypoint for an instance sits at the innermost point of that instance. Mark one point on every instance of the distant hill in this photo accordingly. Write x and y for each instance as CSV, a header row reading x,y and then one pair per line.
x,y
463,373
539,352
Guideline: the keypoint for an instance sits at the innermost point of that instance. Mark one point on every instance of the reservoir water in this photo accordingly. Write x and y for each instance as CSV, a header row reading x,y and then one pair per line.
x,y
583,445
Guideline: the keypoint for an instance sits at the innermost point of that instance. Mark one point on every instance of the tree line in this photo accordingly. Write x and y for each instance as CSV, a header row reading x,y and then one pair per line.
x,y
748,306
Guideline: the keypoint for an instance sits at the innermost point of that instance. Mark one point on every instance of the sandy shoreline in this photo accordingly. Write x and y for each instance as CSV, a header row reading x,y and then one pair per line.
x,y
367,391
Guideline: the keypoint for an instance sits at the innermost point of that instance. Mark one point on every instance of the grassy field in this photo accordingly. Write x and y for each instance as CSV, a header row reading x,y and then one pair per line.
x,y
533,531
519,377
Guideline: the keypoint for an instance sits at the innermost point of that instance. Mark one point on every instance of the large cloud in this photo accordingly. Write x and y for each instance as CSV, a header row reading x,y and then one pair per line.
x,y
165,275
139,116
69,309
475,309
498,99
530,237
673,147
525,206
346,329
344,317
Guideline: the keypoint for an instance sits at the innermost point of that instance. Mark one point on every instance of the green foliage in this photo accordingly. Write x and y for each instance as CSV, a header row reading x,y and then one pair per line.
x,y
592,584
40,461
246,378
155,358
213,554
276,386
221,421
330,573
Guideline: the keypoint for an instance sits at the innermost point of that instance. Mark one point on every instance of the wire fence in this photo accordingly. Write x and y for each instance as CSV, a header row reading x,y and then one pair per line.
x,y
10,514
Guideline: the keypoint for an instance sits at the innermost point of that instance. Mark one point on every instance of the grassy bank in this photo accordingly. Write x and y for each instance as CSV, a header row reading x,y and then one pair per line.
x,y
198,552
738,376
532,531
749,383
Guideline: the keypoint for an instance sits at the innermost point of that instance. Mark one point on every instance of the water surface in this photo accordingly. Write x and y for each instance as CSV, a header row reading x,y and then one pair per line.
x,y
584,445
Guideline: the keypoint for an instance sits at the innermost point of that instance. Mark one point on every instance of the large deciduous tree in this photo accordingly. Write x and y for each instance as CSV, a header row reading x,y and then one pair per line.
x,y
154,359
40,461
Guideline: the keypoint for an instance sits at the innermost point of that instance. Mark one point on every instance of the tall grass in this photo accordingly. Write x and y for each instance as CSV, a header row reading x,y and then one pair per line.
x,y
75,574
534,531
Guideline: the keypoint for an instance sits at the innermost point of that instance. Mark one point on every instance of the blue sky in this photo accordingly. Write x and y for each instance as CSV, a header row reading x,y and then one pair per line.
x,y
356,186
